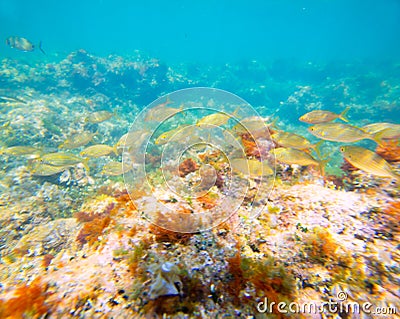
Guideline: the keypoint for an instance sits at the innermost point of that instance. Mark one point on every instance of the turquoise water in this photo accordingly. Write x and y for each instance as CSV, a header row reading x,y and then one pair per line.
x,y
209,31
81,199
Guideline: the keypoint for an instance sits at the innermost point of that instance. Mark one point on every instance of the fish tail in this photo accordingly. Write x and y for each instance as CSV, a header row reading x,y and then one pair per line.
x,y
115,150
322,164
30,165
117,147
85,163
236,112
181,108
377,137
40,48
6,124
168,101
342,115
273,123
317,148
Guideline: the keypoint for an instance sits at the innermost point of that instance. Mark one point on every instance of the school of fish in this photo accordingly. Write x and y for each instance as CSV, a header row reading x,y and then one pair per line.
x,y
289,147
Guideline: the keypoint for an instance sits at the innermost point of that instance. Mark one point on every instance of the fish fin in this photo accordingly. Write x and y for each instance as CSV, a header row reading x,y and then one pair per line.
x,y
342,115
40,48
61,145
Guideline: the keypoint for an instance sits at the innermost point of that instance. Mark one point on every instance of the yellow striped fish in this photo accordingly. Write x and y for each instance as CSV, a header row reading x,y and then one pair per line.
x,y
368,161
338,132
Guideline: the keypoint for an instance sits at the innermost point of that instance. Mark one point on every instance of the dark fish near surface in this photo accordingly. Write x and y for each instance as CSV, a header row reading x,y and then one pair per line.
x,y
22,44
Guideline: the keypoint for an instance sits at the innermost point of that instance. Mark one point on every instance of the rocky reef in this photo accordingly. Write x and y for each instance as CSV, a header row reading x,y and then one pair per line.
x,y
74,244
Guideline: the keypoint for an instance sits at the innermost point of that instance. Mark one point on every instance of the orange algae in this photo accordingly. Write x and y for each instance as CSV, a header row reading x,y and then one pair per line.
x,y
238,282
389,151
85,217
322,247
126,199
210,157
29,302
269,279
124,206
208,200
166,235
92,230
392,216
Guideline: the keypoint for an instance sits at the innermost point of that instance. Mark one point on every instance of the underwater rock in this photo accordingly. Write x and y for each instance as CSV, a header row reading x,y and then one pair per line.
x,y
52,237
166,282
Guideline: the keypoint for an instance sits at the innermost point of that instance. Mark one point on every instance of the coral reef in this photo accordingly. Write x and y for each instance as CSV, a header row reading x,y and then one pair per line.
x,y
78,244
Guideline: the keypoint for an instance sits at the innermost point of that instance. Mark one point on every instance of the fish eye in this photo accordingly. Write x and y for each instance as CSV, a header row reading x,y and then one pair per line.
x,y
312,129
342,149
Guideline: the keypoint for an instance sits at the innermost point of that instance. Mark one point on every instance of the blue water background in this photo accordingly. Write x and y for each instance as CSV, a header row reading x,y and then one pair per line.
x,y
209,31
